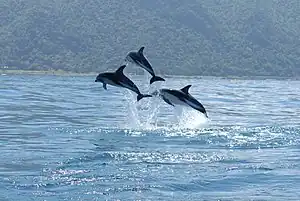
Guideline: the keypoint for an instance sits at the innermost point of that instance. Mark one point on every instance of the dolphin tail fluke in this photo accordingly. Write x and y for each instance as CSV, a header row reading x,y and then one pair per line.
x,y
140,96
156,78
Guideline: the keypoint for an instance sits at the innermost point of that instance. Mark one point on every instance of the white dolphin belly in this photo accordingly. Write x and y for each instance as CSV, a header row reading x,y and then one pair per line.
x,y
173,99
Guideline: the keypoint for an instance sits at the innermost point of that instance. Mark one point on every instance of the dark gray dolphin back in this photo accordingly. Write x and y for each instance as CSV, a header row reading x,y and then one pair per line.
x,y
189,97
142,59
184,95
123,80
120,70
148,65
139,59
186,89
141,51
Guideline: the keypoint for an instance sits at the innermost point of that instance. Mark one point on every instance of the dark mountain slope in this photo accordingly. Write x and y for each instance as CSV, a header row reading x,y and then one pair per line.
x,y
191,38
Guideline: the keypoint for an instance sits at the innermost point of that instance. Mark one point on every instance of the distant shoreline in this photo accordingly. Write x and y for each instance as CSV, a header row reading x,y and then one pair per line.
x,y
69,73
44,72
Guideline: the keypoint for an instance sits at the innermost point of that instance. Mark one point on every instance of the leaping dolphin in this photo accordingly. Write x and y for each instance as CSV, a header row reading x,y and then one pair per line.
x,y
180,97
118,79
139,59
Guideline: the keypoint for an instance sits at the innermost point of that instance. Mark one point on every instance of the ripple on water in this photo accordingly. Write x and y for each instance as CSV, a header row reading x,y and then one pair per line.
x,y
65,138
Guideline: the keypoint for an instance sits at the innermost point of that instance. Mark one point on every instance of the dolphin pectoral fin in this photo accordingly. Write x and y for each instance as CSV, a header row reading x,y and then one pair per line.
x,y
167,101
141,50
156,78
104,86
186,89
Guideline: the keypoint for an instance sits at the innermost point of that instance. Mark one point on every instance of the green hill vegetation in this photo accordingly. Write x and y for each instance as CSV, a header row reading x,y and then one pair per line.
x,y
193,37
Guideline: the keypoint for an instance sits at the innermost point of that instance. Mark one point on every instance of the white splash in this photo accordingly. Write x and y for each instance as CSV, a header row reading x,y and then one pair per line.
x,y
133,120
190,118
144,115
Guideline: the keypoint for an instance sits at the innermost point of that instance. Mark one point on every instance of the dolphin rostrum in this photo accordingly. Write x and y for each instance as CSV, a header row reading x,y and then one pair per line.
x,y
139,59
118,79
180,97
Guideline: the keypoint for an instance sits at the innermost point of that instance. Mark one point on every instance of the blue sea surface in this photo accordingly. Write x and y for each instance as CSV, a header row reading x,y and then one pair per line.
x,y
66,138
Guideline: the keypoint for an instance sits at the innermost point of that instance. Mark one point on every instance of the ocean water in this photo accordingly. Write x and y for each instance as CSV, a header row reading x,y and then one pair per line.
x,y
66,138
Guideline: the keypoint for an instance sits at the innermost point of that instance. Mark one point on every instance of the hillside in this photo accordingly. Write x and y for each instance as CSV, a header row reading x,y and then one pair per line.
x,y
208,37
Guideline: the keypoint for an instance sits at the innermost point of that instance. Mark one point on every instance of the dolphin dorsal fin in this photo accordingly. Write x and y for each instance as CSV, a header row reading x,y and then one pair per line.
x,y
186,89
141,50
120,70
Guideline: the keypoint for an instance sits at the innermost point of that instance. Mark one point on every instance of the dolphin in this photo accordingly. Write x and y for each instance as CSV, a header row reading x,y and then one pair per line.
x,y
180,97
118,79
139,59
